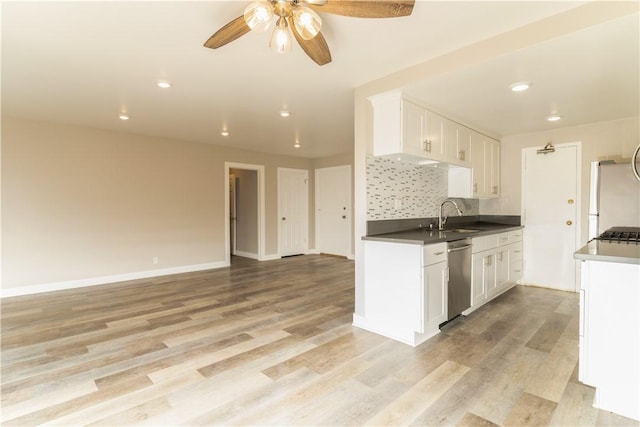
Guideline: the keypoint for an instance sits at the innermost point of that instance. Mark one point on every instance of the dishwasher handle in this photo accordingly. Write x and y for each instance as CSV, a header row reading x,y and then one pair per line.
x,y
459,248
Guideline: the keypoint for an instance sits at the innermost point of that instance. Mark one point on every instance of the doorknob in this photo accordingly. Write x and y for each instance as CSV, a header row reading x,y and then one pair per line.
x,y
569,222
283,218
344,217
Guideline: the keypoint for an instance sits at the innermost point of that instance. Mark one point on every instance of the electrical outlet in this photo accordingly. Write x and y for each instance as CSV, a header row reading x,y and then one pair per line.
x,y
155,260
397,204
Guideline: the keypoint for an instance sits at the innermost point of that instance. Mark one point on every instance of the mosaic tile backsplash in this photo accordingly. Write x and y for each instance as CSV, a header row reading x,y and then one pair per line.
x,y
400,190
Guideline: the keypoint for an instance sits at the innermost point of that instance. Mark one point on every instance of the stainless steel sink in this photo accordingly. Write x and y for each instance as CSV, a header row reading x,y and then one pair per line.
x,y
462,230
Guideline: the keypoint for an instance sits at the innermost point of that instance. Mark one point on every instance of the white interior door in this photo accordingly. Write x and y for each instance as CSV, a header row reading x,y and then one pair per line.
x,y
333,210
293,211
550,191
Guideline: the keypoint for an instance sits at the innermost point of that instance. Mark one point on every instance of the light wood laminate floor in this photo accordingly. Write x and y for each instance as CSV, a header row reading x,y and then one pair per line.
x,y
271,343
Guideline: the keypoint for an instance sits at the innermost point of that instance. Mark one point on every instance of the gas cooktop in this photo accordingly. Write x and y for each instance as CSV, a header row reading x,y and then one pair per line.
x,y
621,235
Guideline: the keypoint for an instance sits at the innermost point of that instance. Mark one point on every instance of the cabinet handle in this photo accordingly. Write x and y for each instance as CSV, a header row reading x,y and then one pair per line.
x,y
426,145
494,189
438,253
461,155
517,252
475,188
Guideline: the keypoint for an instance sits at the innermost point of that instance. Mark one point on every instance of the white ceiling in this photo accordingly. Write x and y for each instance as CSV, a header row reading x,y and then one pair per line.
x,y
85,62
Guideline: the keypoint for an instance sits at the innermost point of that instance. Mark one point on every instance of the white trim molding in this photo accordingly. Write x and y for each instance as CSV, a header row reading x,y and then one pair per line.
x,y
103,280
261,208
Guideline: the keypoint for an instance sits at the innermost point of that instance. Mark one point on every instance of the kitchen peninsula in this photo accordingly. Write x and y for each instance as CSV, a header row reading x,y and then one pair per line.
x,y
610,324
407,274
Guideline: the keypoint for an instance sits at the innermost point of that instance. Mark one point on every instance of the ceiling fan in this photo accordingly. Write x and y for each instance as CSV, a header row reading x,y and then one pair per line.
x,y
300,17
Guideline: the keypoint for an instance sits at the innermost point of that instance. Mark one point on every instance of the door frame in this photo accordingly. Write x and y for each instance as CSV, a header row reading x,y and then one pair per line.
x,y
261,208
578,203
306,207
349,254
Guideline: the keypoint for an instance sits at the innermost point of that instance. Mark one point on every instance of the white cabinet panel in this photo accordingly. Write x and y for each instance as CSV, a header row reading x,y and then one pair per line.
x,y
435,296
403,299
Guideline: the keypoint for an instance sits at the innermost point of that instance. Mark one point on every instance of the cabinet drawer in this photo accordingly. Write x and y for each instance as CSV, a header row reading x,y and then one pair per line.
x,y
432,254
484,243
515,270
503,239
515,252
515,236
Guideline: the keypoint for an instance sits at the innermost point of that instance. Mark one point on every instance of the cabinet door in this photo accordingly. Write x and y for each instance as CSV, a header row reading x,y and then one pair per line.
x,y
463,151
492,165
435,295
477,164
489,262
413,138
478,280
433,130
502,270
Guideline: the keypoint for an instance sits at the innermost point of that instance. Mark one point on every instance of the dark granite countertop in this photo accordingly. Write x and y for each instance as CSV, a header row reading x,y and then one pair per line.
x,y
424,236
618,252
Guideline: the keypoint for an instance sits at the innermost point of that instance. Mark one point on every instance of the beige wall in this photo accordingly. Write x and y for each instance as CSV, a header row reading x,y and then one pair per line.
x,y
81,203
602,140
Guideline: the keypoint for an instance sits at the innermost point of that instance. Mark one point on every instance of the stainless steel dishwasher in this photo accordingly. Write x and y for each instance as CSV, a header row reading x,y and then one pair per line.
x,y
459,277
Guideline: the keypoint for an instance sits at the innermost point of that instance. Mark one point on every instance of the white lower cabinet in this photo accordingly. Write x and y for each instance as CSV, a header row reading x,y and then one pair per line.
x,y
406,290
609,335
406,284
496,265
436,281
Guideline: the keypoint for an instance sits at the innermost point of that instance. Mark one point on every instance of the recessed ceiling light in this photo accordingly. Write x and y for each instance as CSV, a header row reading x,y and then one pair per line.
x,y
296,145
164,85
224,133
553,117
520,86
285,113
123,116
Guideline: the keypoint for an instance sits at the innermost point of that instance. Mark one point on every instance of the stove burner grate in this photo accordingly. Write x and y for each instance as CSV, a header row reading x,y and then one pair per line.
x,y
622,236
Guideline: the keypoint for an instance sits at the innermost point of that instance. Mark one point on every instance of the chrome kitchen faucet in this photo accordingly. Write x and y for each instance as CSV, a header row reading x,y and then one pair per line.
x,y
441,221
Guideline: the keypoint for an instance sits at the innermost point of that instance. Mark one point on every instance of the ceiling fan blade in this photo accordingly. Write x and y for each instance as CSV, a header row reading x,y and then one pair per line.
x,y
367,8
233,30
316,48
315,2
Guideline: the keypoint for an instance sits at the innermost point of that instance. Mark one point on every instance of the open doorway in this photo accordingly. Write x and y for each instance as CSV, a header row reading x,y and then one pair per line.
x,y
244,210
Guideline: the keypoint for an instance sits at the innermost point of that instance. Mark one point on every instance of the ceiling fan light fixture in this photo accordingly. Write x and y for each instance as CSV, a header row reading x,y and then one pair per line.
x,y
307,22
554,117
281,38
258,16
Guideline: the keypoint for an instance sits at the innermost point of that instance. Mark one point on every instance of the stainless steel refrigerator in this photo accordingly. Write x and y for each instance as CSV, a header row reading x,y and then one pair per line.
x,y
614,199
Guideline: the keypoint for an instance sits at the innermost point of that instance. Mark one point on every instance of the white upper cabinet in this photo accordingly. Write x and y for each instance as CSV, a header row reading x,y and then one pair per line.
x,y
485,165
404,129
407,131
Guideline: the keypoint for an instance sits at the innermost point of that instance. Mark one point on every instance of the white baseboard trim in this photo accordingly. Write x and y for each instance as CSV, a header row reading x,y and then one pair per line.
x,y
312,251
270,257
351,257
246,254
103,280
